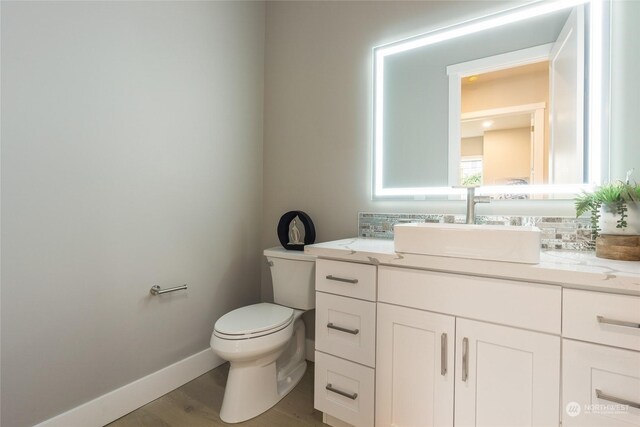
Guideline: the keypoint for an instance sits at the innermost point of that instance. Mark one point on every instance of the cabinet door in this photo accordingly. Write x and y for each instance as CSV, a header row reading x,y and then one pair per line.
x,y
414,367
506,376
600,385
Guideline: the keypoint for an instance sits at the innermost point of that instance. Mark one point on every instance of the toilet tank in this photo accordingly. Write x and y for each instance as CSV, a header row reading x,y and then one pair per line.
x,y
293,277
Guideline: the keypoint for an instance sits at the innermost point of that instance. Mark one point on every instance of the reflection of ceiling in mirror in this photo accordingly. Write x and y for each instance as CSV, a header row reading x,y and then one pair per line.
x,y
496,89
506,88
507,73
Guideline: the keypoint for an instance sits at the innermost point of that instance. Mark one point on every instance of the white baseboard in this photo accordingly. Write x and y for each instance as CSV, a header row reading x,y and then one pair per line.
x,y
310,349
113,405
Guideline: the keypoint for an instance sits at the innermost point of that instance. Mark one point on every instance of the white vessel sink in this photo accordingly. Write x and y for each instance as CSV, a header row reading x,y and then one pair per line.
x,y
489,242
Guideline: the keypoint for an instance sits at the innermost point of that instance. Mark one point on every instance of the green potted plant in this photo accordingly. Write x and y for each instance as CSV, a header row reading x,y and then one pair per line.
x,y
614,208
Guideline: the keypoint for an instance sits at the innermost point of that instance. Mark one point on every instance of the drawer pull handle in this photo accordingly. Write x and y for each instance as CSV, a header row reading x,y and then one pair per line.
x,y
341,329
341,279
351,396
443,354
634,325
603,396
465,359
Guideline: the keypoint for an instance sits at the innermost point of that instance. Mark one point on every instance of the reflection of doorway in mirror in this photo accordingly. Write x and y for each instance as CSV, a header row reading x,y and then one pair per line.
x,y
506,105
507,144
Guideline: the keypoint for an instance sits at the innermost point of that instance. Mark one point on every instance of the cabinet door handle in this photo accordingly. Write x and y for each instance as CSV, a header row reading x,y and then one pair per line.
x,y
608,397
341,279
602,319
351,396
443,354
341,329
465,359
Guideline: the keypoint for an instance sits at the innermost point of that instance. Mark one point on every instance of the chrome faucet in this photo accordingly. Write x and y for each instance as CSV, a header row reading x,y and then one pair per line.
x,y
472,199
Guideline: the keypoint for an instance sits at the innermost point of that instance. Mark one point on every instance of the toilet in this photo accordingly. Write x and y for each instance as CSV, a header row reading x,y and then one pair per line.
x,y
265,342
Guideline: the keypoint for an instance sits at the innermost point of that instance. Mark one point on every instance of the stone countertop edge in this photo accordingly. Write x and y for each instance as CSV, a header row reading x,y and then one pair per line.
x,y
570,269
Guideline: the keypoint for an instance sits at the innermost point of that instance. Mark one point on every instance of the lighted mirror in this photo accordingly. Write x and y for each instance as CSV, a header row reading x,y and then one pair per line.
x,y
513,102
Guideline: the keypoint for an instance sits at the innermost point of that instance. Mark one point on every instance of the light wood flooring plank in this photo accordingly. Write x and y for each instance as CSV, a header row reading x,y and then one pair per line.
x,y
197,404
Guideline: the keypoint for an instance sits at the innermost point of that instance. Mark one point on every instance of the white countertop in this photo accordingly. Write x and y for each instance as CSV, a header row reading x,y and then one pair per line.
x,y
580,270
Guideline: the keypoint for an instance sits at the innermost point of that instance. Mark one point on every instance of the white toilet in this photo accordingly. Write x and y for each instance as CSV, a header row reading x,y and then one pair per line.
x,y
265,342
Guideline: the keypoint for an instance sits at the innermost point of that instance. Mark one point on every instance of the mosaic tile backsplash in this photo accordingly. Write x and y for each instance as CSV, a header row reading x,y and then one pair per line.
x,y
557,232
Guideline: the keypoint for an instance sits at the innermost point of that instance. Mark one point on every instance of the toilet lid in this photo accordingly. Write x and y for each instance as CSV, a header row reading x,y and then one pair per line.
x,y
254,319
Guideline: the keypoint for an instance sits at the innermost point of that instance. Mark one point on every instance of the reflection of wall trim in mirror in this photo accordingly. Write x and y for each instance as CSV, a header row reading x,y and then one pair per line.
x,y
598,70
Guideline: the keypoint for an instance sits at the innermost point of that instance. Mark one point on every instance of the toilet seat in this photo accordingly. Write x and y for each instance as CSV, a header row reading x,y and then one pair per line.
x,y
253,321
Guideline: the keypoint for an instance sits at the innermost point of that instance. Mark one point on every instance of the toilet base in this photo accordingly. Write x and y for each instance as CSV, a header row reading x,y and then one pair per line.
x,y
251,390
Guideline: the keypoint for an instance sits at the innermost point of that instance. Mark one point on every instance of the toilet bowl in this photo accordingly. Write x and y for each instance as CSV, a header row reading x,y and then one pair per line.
x,y
265,342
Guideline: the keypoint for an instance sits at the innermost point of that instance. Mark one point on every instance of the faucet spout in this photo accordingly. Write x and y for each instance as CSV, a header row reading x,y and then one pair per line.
x,y
472,199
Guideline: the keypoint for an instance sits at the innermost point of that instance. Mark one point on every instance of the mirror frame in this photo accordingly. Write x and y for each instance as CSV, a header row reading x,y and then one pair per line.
x,y
597,109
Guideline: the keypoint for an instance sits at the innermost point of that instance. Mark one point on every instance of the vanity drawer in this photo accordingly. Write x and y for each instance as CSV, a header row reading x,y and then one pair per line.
x,y
346,278
346,327
602,318
594,379
521,304
344,390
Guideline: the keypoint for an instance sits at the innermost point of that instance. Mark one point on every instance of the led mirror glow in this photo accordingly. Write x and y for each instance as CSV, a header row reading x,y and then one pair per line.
x,y
598,143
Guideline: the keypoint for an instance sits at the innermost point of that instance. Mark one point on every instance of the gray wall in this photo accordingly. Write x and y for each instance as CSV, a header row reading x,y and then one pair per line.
x,y
131,155
318,108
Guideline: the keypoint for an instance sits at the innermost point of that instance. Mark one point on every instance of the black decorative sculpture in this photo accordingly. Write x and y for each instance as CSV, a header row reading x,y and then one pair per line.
x,y
289,233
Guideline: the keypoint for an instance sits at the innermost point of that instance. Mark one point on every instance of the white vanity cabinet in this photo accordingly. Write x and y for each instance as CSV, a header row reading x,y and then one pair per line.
x,y
601,377
495,374
345,342
439,343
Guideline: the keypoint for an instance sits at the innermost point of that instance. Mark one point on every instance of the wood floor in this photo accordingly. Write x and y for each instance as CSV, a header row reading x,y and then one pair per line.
x,y
198,402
